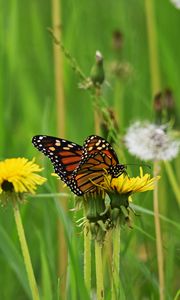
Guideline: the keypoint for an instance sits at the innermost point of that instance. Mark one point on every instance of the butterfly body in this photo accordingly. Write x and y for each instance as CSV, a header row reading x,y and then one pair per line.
x,y
82,168
116,170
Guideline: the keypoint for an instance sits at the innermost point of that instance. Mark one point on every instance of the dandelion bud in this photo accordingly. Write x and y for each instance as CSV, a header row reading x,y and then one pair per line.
x,y
117,40
169,104
158,108
97,72
99,57
169,99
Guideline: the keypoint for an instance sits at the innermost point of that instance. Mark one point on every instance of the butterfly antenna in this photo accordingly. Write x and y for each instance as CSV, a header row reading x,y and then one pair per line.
x,y
139,165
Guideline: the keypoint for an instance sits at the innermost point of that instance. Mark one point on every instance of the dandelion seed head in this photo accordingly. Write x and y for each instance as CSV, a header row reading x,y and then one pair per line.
x,y
151,142
176,3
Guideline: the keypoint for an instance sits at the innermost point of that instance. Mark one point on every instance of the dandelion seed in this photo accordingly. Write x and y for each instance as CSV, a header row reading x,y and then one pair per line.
x,y
151,142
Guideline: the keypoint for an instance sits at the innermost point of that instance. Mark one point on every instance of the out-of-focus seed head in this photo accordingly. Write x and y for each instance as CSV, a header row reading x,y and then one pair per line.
x,y
151,142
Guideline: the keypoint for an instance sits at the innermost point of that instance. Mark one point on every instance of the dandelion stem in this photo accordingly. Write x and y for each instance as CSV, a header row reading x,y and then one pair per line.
x,y
116,263
99,271
58,69
153,53
172,180
159,246
25,251
87,258
155,86
60,109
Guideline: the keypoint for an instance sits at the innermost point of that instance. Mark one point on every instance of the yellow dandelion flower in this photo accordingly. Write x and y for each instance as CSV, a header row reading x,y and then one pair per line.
x,y
19,175
119,192
129,185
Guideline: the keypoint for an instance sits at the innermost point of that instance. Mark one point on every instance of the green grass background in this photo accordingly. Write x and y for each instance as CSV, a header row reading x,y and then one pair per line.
x,y
28,107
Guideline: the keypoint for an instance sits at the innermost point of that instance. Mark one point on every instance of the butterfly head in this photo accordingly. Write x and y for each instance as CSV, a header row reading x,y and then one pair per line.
x,y
116,170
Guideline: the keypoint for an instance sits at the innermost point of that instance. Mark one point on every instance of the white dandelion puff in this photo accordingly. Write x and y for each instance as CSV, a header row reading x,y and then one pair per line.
x,y
151,142
176,3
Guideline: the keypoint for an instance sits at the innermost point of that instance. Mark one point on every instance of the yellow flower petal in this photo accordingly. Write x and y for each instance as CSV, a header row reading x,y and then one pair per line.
x,y
21,173
126,185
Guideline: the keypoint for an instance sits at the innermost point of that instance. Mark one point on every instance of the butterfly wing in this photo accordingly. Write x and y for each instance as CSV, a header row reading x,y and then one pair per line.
x,y
95,144
64,155
90,173
81,168
97,156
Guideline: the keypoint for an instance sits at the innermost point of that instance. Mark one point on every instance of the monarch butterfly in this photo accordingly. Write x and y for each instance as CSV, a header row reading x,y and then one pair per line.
x,y
80,167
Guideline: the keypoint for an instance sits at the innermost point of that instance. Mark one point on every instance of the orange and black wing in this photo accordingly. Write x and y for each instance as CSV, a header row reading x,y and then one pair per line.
x,y
64,155
90,173
95,144
98,157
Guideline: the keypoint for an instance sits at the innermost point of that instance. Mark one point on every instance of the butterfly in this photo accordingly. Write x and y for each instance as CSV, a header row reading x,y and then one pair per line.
x,y
82,168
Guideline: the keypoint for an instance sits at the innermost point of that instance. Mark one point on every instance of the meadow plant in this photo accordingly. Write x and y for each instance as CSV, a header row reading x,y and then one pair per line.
x,y
119,262
18,177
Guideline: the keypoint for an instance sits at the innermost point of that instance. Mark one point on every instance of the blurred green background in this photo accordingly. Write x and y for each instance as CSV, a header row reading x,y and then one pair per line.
x,y
28,107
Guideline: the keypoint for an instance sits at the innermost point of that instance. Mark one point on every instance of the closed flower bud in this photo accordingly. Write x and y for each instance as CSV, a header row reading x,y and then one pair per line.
x,y
158,108
117,40
97,72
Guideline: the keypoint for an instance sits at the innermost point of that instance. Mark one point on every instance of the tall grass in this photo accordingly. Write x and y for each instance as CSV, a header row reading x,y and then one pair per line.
x,y
28,107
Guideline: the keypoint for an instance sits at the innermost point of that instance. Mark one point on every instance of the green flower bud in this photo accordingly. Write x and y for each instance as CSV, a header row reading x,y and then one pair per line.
x,y
97,72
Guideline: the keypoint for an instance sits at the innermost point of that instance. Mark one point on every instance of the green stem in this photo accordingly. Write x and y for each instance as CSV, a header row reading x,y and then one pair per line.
x,y
155,86
173,180
61,118
25,251
87,258
97,112
159,246
116,263
99,271
152,41
119,103
177,295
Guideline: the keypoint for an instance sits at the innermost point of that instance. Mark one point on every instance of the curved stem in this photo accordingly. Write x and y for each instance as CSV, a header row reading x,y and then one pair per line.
x,y
87,258
177,295
172,180
99,271
116,264
25,251
159,246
